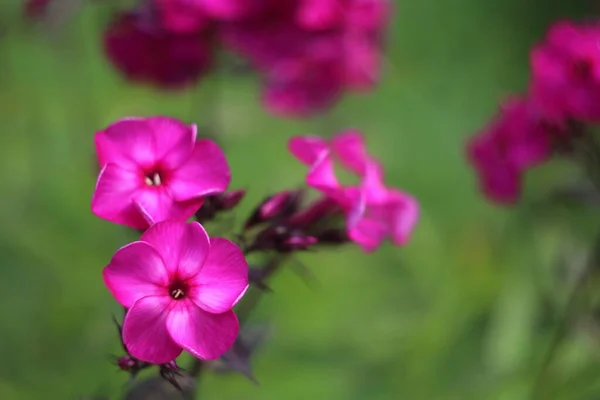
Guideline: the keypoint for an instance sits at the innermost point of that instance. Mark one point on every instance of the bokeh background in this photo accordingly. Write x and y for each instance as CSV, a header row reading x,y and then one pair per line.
x,y
466,311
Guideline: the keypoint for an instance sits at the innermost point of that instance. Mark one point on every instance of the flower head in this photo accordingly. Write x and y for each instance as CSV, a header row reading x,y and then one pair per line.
x,y
153,169
517,140
310,52
169,56
179,287
566,72
373,210
182,16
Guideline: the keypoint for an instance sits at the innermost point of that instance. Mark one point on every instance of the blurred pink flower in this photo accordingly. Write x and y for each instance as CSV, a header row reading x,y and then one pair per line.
x,y
566,72
153,169
517,139
186,15
179,287
310,52
320,14
373,211
144,50
229,10
182,16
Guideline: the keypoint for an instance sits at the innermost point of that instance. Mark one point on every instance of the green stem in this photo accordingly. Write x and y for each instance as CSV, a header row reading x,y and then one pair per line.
x,y
562,328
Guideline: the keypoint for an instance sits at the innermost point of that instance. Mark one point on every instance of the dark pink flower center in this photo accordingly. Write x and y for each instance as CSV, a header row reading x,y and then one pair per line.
x,y
178,290
582,69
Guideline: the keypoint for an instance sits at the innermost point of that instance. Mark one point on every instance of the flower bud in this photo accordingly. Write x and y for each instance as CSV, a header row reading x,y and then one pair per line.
x,y
315,213
283,239
217,203
127,363
297,242
231,199
280,205
171,373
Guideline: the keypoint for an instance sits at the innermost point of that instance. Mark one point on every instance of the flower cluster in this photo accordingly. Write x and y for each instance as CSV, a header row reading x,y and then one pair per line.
x,y
307,52
177,284
563,95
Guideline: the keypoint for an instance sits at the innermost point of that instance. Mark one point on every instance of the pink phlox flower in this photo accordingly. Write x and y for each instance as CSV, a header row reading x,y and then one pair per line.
x,y
373,211
179,287
566,72
154,169
144,50
379,212
188,15
320,14
310,55
182,16
518,139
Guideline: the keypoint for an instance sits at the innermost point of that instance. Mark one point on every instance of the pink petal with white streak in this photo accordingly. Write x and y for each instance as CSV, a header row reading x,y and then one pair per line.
x,y
136,271
145,331
223,278
113,196
205,172
183,246
206,336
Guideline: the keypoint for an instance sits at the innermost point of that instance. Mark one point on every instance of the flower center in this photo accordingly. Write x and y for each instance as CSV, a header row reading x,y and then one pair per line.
x,y
178,290
153,179
582,69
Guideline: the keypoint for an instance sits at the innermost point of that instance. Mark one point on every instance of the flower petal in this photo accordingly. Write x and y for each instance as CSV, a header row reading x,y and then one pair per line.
x,y
405,214
307,149
128,142
145,331
172,139
205,172
350,147
206,336
322,174
113,197
136,271
367,233
156,204
223,278
183,246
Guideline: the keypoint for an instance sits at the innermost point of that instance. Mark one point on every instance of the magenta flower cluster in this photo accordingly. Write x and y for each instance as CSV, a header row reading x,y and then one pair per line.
x,y
308,53
177,284
563,96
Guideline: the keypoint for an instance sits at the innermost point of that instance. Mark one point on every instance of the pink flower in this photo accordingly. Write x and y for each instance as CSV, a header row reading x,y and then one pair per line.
x,y
302,87
179,287
320,14
516,140
310,52
145,51
566,72
230,10
182,16
373,210
153,169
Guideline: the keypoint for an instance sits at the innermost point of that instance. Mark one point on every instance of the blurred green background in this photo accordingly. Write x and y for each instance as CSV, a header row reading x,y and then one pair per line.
x,y
466,311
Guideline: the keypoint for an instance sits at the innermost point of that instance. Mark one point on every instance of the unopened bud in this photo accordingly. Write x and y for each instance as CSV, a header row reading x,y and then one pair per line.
x,y
127,363
171,365
217,203
281,238
229,200
279,205
297,242
315,213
